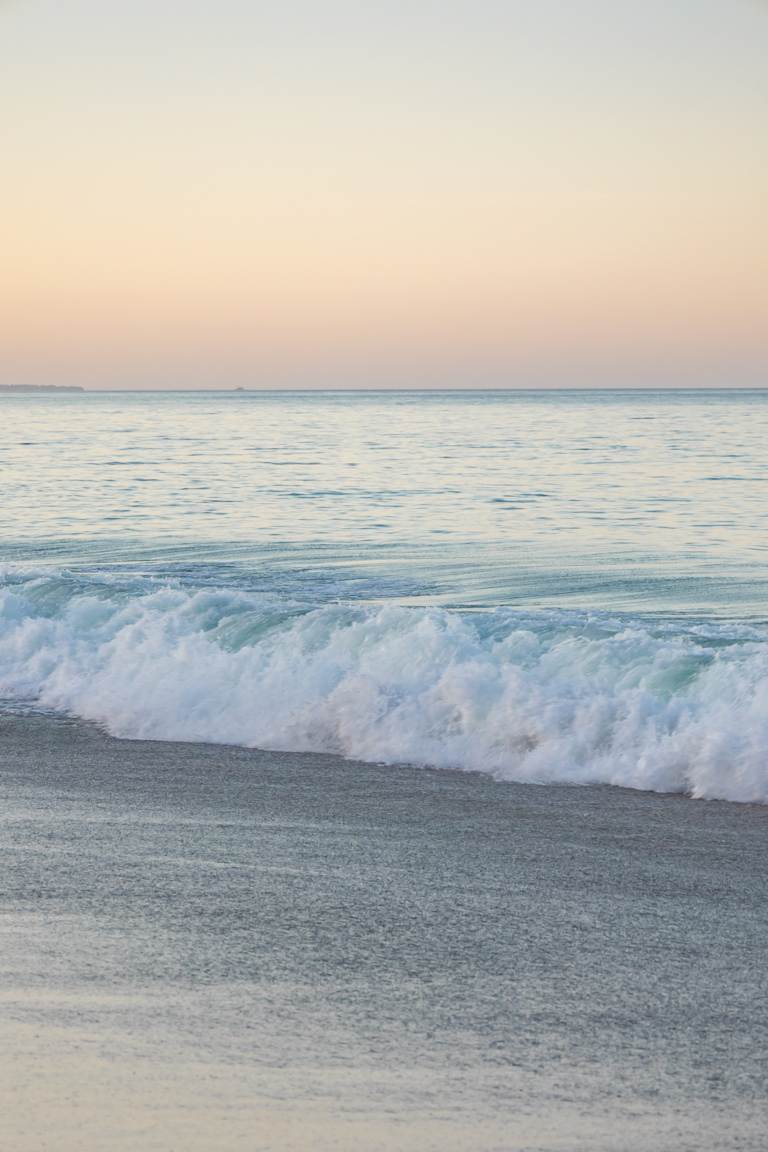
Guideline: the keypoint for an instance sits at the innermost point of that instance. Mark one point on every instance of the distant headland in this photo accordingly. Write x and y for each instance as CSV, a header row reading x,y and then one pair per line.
x,y
40,388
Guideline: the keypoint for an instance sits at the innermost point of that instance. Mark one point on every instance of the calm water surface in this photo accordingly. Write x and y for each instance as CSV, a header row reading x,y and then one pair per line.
x,y
611,499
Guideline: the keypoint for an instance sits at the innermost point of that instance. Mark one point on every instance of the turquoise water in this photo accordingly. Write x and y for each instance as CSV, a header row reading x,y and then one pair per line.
x,y
613,499
539,585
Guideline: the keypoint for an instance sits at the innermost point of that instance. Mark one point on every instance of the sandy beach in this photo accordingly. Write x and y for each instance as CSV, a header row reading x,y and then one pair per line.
x,y
300,952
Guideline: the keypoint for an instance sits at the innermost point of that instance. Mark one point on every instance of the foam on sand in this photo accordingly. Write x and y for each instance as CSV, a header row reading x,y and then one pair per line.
x,y
537,696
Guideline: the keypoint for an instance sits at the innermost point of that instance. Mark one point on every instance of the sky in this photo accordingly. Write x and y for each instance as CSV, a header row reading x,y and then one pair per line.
x,y
400,193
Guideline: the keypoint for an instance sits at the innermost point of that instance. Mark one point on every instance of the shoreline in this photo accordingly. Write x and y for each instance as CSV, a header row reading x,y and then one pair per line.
x,y
204,938
12,710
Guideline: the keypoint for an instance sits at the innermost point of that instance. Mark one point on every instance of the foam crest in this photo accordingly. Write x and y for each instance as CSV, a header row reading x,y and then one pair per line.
x,y
550,696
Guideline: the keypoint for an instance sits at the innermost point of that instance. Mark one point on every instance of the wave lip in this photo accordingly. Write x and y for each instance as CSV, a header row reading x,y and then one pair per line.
x,y
535,696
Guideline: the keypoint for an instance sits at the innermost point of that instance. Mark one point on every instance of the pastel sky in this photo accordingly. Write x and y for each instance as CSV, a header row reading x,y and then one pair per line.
x,y
400,192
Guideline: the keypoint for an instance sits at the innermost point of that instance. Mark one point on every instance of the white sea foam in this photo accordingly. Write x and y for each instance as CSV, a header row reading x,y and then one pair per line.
x,y
523,696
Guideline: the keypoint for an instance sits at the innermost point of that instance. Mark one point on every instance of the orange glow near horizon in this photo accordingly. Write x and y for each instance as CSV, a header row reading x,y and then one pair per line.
x,y
569,193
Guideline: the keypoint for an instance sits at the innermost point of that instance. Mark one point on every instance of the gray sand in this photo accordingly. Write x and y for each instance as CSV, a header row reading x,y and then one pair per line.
x,y
217,949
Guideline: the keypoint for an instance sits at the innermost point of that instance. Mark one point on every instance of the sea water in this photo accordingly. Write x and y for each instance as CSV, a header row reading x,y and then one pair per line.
x,y
562,586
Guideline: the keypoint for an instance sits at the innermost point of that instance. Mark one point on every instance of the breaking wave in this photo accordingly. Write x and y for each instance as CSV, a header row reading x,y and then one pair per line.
x,y
537,696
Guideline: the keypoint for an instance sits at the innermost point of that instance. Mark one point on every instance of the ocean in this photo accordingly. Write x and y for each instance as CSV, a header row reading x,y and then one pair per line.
x,y
384,772
541,586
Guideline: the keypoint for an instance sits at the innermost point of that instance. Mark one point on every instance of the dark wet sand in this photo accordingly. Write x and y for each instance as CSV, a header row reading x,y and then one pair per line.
x,y
205,949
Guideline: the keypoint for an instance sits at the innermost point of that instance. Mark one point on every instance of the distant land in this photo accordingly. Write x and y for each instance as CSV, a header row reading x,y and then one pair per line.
x,y
40,388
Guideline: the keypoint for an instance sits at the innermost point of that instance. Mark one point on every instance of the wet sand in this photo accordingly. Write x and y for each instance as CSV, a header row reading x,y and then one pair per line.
x,y
208,949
